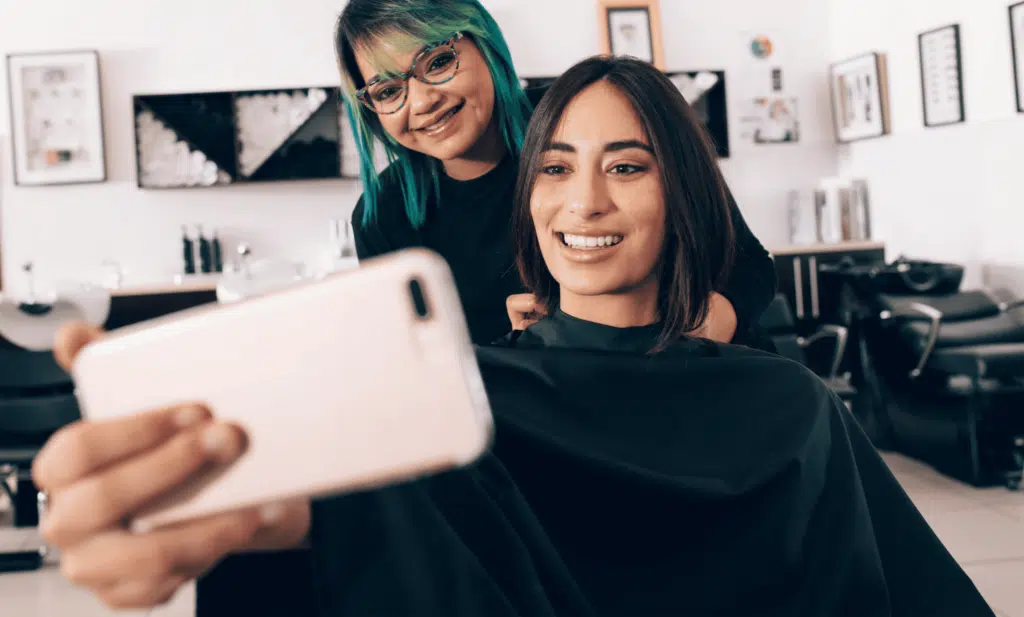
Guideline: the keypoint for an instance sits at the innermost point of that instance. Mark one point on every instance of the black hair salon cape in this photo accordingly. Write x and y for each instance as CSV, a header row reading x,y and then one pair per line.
x,y
704,480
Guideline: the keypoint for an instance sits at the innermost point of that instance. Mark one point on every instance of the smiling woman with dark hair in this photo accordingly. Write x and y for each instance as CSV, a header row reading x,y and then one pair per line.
x,y
587,197
638,470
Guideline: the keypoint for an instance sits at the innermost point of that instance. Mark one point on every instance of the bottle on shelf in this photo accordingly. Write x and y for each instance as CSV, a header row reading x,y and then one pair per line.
x,y
188,251
205,252
218,257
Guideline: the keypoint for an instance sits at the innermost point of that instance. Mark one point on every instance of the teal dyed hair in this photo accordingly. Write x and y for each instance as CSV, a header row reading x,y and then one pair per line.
x,y
416,23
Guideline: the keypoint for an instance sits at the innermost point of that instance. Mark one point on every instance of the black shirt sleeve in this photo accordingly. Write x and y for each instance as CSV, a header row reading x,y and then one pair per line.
x,y
752,284
370,241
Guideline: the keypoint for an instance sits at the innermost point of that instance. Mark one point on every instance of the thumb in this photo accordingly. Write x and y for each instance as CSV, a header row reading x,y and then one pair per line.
x,y
71,339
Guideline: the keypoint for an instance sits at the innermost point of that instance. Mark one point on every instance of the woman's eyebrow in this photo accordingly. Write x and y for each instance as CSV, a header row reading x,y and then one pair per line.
x,y
627,144
613,146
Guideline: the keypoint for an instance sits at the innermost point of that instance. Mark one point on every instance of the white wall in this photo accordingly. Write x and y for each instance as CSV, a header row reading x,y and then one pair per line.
x,y
196,45
952,193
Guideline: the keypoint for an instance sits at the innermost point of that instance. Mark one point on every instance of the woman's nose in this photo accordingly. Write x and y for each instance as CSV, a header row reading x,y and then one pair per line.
x,y
423,98
588,195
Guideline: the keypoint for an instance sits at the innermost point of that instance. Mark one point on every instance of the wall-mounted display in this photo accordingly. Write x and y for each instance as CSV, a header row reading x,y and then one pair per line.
x,y
214,138
942,82
632,28
56,118
1017,49
860,97
705,92
288,134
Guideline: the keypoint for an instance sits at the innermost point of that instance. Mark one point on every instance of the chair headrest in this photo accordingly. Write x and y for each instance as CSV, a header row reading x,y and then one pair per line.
x,y
778,317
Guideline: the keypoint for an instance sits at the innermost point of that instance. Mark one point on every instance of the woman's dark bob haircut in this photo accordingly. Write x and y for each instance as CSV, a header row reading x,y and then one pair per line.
x,y
699,239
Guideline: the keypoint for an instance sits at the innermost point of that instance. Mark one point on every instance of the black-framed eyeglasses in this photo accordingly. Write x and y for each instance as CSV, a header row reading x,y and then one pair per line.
x,y
434,65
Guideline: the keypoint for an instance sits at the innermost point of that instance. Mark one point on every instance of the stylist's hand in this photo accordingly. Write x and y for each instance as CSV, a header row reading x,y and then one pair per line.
x,y
98,474
524,310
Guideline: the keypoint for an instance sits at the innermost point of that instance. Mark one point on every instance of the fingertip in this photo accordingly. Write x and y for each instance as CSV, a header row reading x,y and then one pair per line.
x,y
224,442
70,339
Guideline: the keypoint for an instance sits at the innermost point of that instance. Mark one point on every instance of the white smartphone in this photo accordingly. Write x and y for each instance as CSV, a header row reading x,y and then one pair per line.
x,y
362,379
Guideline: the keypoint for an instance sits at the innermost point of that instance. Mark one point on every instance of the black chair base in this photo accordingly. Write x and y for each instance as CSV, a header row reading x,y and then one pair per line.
x,y
972,435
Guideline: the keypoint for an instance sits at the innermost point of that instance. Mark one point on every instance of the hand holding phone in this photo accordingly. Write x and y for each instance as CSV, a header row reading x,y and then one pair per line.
x,y
362,379
97,474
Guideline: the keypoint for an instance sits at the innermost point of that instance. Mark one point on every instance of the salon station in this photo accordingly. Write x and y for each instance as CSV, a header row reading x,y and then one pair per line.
x,y
157,157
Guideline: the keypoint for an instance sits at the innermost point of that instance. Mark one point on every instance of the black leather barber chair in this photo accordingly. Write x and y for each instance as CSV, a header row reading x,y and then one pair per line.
x,y
946,367
779,324
36,399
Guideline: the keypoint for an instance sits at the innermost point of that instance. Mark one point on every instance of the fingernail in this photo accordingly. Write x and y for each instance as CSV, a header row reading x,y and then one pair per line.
x,y
271,513
189,416
218,442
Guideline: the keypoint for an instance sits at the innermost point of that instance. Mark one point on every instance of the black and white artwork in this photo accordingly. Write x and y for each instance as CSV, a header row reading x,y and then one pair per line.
x,y
860,105
941,76
56,118
1017,49
629,33
705,92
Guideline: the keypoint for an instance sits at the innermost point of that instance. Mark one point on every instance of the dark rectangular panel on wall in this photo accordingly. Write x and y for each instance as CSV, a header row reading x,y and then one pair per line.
x,y
184,140
705,92
196,140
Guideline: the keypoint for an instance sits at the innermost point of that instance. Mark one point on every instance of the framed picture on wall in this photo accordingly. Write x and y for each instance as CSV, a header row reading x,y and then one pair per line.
x,y
942,78
1017,49
56,118
632,28
860,97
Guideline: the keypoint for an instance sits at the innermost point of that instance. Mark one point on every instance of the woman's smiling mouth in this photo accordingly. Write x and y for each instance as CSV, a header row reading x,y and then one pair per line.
x,y
441,123
589,242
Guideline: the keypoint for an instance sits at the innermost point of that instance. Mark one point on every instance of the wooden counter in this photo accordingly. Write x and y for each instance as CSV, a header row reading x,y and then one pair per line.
x,y
187,284
835,247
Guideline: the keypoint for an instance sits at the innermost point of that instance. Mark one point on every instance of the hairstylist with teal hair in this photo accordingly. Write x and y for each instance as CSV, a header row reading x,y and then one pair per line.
x,y
432,83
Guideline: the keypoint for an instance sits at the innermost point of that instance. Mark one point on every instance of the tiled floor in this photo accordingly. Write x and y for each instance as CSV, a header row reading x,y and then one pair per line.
x,y
983,529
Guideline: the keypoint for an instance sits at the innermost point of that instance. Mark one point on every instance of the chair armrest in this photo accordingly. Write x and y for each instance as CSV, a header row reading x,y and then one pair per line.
x,y
1010,306
921,312
840,334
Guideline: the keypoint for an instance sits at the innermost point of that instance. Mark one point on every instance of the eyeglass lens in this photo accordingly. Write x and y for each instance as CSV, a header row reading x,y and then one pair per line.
x,y
435,66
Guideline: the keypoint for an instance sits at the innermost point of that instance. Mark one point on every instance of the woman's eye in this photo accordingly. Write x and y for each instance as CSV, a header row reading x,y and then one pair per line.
x,y
626,169
441,62
554,170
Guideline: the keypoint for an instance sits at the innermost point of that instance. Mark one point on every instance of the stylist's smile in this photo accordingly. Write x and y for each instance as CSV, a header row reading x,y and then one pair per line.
x,y
442,122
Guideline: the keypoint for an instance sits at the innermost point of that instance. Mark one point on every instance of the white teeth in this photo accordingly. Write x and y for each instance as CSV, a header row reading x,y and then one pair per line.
x,y
589,242
441,122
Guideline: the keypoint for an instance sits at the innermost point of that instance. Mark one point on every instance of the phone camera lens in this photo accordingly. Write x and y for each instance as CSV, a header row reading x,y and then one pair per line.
x,y
419,299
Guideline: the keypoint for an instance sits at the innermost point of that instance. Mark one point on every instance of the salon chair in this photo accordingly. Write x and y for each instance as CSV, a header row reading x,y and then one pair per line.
x,y
778,323
36,399
946,370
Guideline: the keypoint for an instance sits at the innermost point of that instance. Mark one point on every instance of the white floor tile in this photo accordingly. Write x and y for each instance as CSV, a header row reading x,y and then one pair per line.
x,y
1002,585
978,535
45,593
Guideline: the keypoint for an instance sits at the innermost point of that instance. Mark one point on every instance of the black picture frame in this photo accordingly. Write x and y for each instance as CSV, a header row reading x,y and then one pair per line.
x,y
959,74
1016,50
92,57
